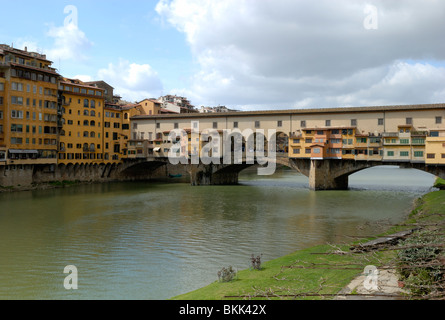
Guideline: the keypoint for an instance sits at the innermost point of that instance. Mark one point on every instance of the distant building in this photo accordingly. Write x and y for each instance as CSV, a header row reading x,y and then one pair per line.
x,y
108,90
177,104
215,109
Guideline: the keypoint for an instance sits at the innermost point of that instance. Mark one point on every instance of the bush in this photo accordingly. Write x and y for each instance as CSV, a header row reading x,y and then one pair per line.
x,y
256,262
226,274
418,265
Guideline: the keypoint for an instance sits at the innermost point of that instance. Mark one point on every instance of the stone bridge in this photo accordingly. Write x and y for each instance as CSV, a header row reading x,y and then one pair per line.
x,y
327,174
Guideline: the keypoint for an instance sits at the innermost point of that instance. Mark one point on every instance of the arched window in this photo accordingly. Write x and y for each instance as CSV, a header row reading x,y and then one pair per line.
x,y
85,134
126,116
86,113
85,122
92,134
93,104
92,148
92,113
93,123
86,103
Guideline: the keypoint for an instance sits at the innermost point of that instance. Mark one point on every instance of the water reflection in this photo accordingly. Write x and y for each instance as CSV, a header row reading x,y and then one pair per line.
x,y
156,240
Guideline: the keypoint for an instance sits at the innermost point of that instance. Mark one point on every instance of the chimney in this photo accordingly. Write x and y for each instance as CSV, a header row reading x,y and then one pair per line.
x,y
26,49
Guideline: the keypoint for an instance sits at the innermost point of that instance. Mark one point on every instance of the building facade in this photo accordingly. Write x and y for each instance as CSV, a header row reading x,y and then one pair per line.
x,y
81,137
392,134
29,113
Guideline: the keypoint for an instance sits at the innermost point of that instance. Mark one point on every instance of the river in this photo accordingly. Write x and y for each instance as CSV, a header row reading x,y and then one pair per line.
x,y
158,240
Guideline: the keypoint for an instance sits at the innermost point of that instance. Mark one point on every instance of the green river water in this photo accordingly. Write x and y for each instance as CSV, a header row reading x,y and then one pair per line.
x,y
158,240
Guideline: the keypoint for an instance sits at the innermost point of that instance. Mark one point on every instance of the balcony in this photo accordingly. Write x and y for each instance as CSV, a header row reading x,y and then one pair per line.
x,y
419,133
390,135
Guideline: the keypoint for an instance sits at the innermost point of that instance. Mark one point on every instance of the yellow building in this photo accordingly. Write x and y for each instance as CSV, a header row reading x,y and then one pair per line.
x,y
435,147
81,137
29,115
114,139
150,107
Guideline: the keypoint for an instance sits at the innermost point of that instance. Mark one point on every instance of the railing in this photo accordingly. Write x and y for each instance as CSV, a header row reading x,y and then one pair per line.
x,y
419,133
390,134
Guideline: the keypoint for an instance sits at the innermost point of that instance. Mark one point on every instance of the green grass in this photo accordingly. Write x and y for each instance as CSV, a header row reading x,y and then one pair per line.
x,y
440,183
279,276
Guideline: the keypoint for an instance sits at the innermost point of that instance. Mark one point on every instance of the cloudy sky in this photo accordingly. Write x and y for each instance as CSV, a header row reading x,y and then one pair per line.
x,y
245,54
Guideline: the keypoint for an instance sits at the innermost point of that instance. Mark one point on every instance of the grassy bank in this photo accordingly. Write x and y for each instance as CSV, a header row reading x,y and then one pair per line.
x,y
440,183
321,272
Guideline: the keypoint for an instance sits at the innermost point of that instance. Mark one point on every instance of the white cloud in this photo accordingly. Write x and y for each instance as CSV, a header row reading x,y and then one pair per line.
x,y
83,77
132,81
286,53
70,43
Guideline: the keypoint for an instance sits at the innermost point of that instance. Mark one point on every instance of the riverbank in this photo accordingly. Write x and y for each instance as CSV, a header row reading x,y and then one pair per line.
x,y
323,272
43,186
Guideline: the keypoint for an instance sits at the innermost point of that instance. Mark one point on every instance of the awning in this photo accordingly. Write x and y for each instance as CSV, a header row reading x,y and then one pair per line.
x,y
157,149
23,151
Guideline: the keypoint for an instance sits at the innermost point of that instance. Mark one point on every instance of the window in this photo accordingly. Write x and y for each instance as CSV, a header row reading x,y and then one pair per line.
x,y
328,123
17,100
418,154
2,86
431,156
16,86
317,150
303,124
297,151
354,122
390,153
235,124
404,153
409,120
86,103
418,141
434,133
438,120
381,122
308,140
279,123
16,128
16,140
257,124
215,125
176,125
361,140
404,141
15,114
